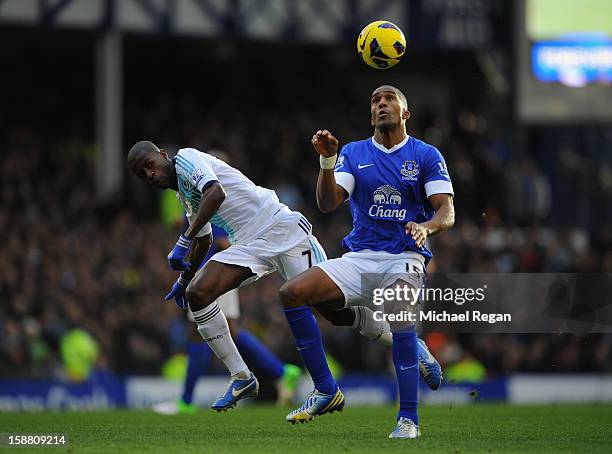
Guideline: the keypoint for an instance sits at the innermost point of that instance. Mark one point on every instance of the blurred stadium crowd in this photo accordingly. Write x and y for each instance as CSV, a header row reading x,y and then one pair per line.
x,y
527,201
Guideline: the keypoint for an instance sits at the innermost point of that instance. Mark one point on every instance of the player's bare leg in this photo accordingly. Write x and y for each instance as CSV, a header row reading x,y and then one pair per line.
x,y
320,292
210,282
336,313
213,280
311,288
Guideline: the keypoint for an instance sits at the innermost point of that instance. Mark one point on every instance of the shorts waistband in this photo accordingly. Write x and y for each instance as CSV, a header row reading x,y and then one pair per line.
x,y
382,255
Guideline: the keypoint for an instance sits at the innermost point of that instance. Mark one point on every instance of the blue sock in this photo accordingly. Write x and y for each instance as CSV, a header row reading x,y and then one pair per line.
x,y
199,355
308,340
406,365
258,354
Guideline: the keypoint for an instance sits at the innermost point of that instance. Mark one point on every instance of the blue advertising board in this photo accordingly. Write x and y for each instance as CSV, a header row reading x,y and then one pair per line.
x,y
572,63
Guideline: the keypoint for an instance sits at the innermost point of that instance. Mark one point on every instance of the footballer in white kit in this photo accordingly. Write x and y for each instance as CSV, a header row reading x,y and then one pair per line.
x,y
266,236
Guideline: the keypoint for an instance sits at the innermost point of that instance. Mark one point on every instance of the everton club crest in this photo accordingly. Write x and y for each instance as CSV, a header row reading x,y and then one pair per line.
x,y
409,170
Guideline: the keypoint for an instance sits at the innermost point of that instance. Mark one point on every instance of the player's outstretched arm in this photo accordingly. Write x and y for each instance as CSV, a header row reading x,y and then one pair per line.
x,y
443,219
329,194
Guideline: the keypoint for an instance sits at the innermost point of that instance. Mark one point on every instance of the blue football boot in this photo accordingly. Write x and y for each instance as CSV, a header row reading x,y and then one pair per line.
x,y
237,389
315,405
428,366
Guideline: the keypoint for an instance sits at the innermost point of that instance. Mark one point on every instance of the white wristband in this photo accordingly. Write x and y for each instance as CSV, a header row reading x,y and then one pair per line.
x,y
327,163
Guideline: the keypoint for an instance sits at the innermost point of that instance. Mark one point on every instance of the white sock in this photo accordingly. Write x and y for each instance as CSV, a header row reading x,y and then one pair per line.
x,y
370,327
357,311
212,326
364,319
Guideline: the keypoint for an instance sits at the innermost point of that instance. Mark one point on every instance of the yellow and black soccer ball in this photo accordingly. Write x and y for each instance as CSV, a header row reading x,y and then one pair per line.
x,y
381,44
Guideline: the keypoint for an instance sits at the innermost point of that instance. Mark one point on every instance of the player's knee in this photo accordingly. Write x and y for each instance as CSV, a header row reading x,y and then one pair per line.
x,y
291,295
198,296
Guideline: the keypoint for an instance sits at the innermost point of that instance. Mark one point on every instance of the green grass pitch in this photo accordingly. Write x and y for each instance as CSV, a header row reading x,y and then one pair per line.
x,y
254,429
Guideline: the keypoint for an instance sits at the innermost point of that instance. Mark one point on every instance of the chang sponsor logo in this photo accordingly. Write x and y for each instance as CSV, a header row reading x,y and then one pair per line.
x,y
379,212
383,197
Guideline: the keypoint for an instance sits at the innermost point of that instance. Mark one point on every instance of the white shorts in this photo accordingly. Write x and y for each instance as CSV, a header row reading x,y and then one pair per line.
x,y
357,274
228,302
288,247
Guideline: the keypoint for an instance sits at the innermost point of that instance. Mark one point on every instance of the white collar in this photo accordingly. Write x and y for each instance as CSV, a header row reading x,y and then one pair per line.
x,y
393,148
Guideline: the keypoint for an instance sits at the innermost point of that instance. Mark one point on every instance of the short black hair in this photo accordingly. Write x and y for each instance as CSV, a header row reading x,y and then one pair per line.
x,y
396,90
144,146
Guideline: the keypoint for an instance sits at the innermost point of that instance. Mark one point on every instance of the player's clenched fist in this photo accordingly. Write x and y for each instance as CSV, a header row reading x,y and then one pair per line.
x,y
418,232
325,144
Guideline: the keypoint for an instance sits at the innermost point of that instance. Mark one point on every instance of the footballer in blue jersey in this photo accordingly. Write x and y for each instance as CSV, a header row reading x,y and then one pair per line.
x,y
394,186
400,193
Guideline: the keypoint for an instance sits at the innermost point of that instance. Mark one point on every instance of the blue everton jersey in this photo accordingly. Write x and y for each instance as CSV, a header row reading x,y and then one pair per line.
x,y
387,189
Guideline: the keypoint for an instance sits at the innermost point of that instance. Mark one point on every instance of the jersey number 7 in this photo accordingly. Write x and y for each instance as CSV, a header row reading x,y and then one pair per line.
x,y
309,254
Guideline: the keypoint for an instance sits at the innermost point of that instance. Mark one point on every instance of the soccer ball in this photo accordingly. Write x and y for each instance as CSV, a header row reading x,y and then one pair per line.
x,y
381,44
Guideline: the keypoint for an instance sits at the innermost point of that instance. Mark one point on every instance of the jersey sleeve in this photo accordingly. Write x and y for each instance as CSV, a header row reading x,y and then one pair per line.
x,y
343,171
193,166
435,175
